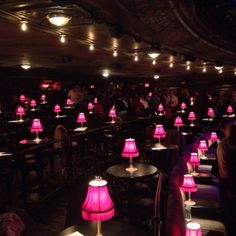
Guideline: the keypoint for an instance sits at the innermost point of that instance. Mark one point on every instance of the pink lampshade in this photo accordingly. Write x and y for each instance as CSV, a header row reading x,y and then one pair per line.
x,y
213,137
81,118
210,112
20,111
68,102
193,229
43,97
112,112
160,107
57,108
32,103
183,105
36,126
194,159
189,184
230,109
178,121
130,150
95,100
191,116
159,132
98,205
22,98
202,146
90,106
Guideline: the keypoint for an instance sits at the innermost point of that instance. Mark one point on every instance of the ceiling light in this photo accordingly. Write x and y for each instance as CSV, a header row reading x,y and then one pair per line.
x,y
91,46
62,38
136,58
154,62
153,53
24,25
25,66
204,69
171,65
58,19
105,73
115,53
156,76
219,67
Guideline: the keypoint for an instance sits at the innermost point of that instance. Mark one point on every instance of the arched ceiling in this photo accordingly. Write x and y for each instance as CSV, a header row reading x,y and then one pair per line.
x,y
203,31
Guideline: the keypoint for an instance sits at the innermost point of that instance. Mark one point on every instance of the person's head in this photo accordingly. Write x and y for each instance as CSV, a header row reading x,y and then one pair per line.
x,y
232,134
224,128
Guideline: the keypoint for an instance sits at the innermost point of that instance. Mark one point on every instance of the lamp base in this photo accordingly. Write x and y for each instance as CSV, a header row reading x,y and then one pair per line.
x,y
90,112
189,202
131,168
80,129
113,121
37,140
194,173
160,114
203,157
21,120
158,146
192,125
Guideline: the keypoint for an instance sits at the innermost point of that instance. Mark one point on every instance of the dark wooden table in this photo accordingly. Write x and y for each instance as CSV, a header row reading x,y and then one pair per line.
x,y
109,228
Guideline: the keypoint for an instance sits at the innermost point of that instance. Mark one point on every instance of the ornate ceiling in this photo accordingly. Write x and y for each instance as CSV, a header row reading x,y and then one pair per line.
x,y
198,30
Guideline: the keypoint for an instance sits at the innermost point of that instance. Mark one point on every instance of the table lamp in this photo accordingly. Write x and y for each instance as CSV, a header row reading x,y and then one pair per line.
x,y
69,102
36,128
57,109
98,205
191,117
90,107
20,111
159,133
203,147
22,98
178,122
112,114
130,151
194,161
95,100
81,119
191,101
193,229
213,138
210,113
230,110
33,104
189,186
43,99
160,109
183,107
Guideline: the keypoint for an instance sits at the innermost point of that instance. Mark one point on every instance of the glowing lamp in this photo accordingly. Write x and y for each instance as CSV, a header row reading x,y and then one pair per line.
x,y
69,102
150,94
130,151
191,117
33,104
97,205
230,110
159,133
210,113
193,229
20,111
194,161
112,114
202,148
191,101
178,122
95,100
189,186
36,128
213,138
160,109
57,109
81,119
183,106
43,99
90,107
22,98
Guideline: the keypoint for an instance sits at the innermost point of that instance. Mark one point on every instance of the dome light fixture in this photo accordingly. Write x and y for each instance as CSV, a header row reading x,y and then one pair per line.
x,y
58,20
26,66
154,52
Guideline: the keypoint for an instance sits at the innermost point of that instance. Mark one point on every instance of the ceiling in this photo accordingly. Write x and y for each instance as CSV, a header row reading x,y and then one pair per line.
x,y
196,30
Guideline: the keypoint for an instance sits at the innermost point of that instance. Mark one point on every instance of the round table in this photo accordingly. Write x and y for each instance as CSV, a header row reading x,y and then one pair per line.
x,y
144,170
109,228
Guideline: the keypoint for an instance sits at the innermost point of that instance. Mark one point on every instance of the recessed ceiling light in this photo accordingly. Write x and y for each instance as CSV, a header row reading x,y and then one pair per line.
x,y
26,66
58,19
